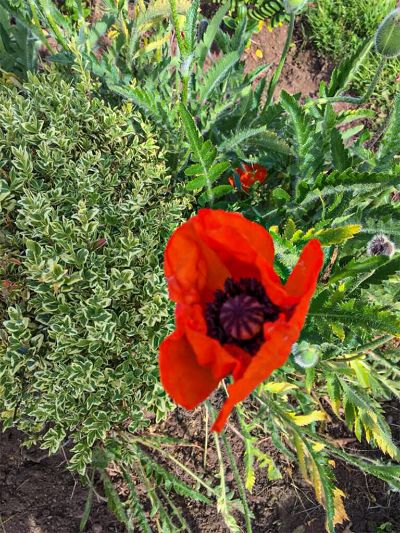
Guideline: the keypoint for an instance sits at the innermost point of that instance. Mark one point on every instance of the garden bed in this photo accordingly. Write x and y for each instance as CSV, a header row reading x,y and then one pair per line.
x,y
255,168
40,496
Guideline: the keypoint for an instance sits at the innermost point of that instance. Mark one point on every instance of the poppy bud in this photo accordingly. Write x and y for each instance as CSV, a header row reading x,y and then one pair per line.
x,y
395,196
305,355
387,37
381,245
293,6
100,243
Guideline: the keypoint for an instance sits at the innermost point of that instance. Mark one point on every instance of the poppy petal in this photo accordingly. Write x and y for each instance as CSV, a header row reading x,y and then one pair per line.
x,y
193,271
244,247
272,355
182,377
209,352
213,223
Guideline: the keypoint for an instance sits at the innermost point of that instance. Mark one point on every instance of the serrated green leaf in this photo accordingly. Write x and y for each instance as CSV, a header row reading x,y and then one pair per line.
x,y
338,235
340,155
216,74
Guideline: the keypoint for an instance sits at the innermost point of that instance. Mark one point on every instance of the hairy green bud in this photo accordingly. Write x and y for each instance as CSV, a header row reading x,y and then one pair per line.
x,y
387,37
305,355
293,6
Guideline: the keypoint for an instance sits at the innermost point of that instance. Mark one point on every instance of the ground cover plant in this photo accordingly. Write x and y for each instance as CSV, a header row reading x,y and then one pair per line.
x,y
86,209
147,116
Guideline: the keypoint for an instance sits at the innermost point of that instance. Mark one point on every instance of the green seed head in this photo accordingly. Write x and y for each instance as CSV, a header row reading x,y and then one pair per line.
x,y
387,37
293,6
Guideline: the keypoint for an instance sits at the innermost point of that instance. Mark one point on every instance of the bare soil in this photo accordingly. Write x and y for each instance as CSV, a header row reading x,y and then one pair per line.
x,y
287,505
38,495
303,70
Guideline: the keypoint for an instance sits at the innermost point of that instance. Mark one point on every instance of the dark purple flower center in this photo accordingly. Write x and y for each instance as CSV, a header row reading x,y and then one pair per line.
x,y
237,314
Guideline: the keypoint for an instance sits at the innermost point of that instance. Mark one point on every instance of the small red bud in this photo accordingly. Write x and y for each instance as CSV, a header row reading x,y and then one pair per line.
x,y
100,243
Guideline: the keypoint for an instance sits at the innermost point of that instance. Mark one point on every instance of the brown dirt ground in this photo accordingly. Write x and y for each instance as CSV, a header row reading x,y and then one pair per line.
x,y
303,70
287,505
38,495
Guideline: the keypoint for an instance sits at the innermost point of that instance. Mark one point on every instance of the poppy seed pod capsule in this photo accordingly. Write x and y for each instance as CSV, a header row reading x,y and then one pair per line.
x,y
387,37
293,6
381,245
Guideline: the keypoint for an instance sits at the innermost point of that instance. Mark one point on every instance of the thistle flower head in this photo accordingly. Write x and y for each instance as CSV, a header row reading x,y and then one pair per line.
x,y
387,36
381,245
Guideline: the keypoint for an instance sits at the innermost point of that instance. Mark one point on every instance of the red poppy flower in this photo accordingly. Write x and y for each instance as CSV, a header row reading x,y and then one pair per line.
x,y
233,314
249,174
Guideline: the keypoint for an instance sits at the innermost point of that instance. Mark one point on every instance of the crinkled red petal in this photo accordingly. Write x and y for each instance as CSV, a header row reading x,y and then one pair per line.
x,y
193,270
184,379
279,335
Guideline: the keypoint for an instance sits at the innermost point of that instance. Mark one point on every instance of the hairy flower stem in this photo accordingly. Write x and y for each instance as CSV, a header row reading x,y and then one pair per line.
x,y
361,351
206,438
38,28
175,22
148,444
185,89
277,74
239,482
235,470
353,99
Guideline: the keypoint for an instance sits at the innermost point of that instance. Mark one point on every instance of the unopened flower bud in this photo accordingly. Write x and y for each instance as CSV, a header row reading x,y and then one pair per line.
x,y
305,355
395,196
293,6
100,243
387,37
381,245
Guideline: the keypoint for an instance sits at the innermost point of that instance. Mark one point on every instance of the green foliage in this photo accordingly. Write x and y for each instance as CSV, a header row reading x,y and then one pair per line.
x,y
204,154
338,29
86,209
386,89
18,44
88,203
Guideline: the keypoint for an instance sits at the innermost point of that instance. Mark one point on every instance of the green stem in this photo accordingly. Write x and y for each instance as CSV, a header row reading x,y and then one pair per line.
x,y
277,74
185,89
232,461
352,99
178,463
362,350
38,29
206,439
239,482
175,22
